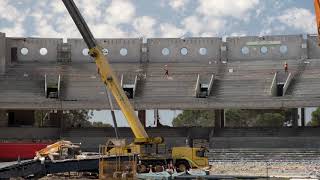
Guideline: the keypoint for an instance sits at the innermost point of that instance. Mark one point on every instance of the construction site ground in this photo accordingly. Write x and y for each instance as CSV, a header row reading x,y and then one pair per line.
x,y
307,169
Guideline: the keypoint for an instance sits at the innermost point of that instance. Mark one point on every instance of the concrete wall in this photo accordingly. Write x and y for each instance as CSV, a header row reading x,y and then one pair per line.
x,y
277,47
197,49
2,53
112,48
29,133
313,47
32,46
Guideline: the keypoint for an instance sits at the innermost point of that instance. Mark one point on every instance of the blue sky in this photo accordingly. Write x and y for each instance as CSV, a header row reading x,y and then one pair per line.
x,y
161,18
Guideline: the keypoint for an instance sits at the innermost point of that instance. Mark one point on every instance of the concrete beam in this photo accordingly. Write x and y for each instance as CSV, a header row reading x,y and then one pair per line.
x,y
2,53
34,49
267,47
184,50
116,50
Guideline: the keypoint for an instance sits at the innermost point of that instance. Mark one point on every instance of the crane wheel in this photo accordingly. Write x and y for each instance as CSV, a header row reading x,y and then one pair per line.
x,y
158,167
182,166
143,168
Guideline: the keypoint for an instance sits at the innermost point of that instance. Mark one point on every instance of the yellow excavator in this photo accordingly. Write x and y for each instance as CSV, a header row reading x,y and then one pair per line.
x,y
150,149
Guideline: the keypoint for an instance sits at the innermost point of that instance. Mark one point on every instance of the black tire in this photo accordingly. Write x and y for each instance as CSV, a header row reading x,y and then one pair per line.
x,y
143,168
158,166
182,166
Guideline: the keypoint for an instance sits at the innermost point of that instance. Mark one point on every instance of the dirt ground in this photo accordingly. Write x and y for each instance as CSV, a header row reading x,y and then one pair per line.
x,y
272,169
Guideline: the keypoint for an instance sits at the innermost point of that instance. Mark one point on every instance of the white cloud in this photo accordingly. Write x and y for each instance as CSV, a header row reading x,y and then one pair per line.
x,y
171,31
58,23
14,17
120,11
238,9
16,30
193,25
108,31
300,19
57,7
178,4
203,27
7,11
145,26
90,9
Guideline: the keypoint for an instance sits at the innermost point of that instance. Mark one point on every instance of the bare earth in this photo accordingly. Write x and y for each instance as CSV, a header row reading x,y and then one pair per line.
x,y
272,169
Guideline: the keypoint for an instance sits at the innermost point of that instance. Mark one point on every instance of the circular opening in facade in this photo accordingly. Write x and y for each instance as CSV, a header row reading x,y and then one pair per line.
x,y
203,51
123,51
85,51
184,51
245,50
43,51
283,49
165,51
105,51
24,51
264,49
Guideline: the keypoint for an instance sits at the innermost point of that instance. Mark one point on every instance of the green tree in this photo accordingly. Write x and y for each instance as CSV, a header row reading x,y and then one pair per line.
x,y
270,120
100,124
234,118
315,120
237,118
74,118
189,118
78,118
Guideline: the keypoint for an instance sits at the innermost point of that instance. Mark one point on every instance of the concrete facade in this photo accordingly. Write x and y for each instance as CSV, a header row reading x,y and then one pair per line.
x,y
243,69
28,49
266,47
117,50
184,50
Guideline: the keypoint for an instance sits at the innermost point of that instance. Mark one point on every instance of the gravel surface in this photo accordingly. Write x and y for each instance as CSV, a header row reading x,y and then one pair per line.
x,y
274,169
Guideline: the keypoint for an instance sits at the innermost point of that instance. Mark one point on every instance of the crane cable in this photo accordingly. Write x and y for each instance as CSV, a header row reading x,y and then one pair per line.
x,y
112,114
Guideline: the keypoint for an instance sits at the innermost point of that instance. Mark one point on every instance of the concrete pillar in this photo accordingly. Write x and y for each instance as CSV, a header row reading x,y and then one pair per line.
x,y
142,117
304,47
2,53
303,120
224,52
219,118
3,119
295,117
55,118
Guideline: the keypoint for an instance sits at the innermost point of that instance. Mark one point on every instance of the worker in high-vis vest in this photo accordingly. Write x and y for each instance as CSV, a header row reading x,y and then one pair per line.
x,y
285,67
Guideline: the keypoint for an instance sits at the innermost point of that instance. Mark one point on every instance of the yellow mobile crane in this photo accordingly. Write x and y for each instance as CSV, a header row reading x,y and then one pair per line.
x,y
146,147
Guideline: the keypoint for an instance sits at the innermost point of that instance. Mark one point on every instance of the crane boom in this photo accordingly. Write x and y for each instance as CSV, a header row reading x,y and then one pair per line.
x,y
317,12
107,75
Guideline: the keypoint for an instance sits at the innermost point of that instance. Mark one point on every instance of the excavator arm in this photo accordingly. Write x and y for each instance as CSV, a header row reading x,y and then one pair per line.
x,y
317,12
107,75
